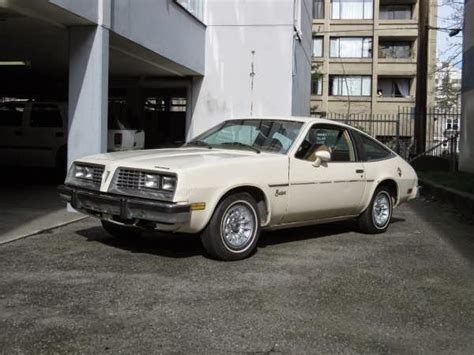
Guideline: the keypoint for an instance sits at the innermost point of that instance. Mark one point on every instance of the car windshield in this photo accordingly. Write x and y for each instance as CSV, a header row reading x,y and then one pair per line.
x,y
276,136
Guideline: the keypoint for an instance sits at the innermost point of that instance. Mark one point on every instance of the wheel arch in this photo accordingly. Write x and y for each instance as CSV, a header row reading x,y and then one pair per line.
x,y
257,193
391,184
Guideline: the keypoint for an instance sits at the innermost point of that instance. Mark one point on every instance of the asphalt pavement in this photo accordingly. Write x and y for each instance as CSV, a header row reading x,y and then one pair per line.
x,y
321,289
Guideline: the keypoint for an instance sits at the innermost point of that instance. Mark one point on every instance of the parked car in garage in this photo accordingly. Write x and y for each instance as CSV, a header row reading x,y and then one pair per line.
x,y
243,176
124,130
34,133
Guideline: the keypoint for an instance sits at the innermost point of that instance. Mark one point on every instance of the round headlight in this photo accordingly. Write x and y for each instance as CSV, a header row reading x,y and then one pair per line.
x,y
152,181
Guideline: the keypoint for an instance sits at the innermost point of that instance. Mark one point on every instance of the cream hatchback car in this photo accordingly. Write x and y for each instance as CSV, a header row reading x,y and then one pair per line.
x,y
243,176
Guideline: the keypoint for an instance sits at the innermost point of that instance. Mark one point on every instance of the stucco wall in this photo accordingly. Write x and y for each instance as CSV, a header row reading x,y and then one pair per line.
x,y
302,63
235,29
163,27
84,8
466,159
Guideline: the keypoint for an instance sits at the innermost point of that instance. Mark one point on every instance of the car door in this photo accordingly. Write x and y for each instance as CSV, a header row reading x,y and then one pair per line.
x,y
332,189
45,133
11,132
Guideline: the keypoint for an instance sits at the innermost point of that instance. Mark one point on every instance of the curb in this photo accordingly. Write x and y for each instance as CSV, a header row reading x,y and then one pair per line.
x,y
459,199
43,230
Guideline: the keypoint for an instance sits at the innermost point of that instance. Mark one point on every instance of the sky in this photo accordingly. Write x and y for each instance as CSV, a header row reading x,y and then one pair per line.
x,y
444,42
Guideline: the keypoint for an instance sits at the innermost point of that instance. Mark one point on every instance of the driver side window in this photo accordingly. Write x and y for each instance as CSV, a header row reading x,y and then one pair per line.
x,y
334,139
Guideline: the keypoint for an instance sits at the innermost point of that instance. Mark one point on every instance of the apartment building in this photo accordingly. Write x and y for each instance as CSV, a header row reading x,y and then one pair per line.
x,y
365,56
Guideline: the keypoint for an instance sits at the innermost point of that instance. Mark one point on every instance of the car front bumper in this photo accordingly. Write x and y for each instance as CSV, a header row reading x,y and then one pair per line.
x,y
126,209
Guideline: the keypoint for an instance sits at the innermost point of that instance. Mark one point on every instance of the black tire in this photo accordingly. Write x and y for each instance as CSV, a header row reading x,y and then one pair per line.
x,y
119,231
368,222
213,237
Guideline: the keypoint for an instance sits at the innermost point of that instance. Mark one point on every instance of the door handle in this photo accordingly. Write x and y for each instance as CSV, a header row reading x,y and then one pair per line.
x,y
359,171
18,133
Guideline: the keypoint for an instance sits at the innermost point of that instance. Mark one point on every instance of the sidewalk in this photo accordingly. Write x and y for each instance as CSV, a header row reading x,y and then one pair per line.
x,y
27,210
463,201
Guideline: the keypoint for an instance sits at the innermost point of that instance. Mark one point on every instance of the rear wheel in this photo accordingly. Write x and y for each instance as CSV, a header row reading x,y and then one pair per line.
x,y
376,218
119,231
234,228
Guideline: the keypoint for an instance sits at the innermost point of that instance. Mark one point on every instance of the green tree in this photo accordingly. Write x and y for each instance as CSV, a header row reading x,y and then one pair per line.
x,y
447,94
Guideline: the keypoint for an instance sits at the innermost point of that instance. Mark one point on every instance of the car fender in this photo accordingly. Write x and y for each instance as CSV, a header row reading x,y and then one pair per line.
x,y
200,219
370,190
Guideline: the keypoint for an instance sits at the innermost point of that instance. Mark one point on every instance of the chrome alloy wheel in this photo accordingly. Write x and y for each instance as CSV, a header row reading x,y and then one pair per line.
x,y
238,227
381,210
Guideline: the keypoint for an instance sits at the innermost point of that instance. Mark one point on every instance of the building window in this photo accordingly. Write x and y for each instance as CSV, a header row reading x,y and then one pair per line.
x,y
317,47
393,87
395,12
195,7
399,49
350,85
317,86
318,9
352,9
351,47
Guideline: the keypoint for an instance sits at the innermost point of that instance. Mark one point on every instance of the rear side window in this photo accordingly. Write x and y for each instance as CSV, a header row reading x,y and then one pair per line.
x,y
372,150
11,115
45,115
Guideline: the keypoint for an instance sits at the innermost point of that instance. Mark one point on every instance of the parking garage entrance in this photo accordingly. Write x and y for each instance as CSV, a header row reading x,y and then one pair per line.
x,y
38,62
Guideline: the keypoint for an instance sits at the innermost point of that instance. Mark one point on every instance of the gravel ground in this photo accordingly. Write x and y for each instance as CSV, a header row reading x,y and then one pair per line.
x,y
322,289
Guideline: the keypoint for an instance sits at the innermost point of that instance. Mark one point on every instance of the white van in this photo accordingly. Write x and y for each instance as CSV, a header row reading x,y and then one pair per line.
x,y
34,133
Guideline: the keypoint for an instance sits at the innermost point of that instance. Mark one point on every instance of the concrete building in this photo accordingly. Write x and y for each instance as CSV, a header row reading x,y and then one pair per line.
x,y
466,156
365,55
180,65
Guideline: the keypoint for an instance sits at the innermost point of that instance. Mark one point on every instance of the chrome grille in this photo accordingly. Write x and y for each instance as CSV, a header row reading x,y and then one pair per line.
x,y
130,179
131,182
97,175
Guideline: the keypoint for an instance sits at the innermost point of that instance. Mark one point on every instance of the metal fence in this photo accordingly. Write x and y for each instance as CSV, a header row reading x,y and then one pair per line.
x,y
397,130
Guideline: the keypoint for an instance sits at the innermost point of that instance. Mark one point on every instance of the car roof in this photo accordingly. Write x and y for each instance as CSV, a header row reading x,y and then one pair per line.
x,y
290,118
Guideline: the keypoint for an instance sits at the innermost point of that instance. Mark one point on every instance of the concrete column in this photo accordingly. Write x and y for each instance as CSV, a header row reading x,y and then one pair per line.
x,y
88,90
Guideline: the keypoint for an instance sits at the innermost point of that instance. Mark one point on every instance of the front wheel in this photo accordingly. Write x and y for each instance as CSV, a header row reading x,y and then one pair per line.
x,y
234,228
376,218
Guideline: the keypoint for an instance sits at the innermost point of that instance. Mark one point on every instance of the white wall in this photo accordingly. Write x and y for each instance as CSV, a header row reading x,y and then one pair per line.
x,y
235,28
301,96
164,27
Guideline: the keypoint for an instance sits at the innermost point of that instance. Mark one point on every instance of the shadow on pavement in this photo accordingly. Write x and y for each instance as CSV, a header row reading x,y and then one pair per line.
x,y
30,203
187,245
160,244
454,227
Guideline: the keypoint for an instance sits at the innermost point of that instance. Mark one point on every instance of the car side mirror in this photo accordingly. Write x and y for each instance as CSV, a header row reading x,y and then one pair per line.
x,y
322,156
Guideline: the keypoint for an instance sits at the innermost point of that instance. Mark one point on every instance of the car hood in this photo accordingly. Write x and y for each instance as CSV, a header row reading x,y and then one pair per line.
x,y
172,159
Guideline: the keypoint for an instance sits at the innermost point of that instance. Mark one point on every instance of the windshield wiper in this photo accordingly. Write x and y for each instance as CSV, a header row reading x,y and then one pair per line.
x,y
199,144
243,145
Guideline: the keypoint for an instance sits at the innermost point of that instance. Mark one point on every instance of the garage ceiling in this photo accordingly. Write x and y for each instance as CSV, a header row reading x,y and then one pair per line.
x,y
46,47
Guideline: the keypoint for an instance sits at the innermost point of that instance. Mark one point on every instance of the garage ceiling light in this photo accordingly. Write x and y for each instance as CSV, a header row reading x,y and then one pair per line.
x,y
14,63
